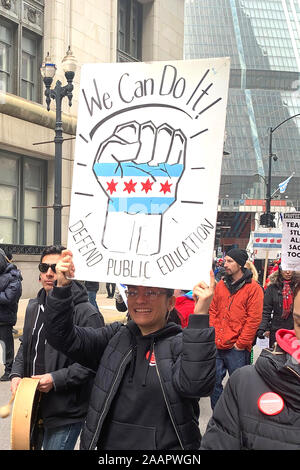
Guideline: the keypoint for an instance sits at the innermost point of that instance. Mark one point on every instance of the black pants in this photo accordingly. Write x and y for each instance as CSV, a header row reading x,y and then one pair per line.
x,y
7,346
110,288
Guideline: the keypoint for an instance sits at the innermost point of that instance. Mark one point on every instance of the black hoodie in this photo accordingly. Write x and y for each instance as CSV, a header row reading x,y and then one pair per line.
x,y
238,423
129,421
10,292
67,402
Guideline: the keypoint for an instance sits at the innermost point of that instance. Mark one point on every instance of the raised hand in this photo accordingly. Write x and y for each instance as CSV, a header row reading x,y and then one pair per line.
x,y
203,295
65,269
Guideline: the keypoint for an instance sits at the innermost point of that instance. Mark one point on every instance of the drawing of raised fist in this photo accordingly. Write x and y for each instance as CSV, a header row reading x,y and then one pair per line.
x,y
139,167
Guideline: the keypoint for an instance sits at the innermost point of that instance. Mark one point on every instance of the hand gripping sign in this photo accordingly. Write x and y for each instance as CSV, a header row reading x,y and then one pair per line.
x,y
139,167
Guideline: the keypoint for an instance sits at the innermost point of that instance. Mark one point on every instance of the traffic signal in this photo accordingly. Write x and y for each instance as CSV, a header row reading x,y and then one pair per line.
x,y
263,220
267,220
270,220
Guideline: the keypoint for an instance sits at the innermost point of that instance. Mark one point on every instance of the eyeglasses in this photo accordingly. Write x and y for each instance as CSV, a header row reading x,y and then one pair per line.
x,y
151,294
43,267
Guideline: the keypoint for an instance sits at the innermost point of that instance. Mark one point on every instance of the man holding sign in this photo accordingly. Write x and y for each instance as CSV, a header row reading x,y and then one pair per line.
x,y
150,373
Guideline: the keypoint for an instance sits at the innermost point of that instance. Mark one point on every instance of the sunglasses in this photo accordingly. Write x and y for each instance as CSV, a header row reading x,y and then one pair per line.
x,y
43,267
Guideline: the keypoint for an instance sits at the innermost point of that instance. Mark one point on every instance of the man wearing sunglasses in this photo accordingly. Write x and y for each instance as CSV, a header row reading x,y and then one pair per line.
x,y
63,383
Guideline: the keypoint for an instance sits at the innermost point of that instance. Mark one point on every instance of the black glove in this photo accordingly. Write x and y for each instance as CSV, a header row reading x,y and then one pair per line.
x,y
260,334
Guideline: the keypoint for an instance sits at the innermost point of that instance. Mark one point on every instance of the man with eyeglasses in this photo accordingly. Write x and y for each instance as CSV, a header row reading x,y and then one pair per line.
x,y
150,373
64,384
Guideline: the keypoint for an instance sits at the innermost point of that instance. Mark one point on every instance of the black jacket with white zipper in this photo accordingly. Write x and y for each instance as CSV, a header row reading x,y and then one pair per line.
x,y
237,422
67,402
185,363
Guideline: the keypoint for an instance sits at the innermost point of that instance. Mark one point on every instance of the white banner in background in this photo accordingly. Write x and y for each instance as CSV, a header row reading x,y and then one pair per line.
x,y
290,256
147,168
267,243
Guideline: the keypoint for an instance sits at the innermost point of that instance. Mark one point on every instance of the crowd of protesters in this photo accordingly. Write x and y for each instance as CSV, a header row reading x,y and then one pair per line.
x,y
137,385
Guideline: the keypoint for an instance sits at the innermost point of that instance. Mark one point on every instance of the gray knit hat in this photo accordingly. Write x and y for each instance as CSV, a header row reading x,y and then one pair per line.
x,y
240,256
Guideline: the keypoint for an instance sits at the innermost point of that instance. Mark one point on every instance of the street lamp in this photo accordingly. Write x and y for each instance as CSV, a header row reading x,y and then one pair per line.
x,y
48,70
268,216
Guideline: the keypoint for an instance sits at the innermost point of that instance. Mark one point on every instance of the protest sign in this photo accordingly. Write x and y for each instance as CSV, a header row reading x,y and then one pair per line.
x,y
266,243
290,256
147,168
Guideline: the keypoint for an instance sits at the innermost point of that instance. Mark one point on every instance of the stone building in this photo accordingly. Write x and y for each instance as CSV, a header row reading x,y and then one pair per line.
x,y
96,31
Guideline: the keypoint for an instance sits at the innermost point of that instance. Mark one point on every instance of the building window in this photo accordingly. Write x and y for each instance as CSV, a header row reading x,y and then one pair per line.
x,y
21,35
22,189
30,67
6,56
130,19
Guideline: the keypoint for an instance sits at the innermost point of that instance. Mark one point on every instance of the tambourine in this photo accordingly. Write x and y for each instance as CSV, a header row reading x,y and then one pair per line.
x,y
24,418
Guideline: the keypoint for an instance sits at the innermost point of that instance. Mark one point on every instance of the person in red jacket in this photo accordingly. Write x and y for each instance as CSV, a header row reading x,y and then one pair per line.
x,y
235,313
184,305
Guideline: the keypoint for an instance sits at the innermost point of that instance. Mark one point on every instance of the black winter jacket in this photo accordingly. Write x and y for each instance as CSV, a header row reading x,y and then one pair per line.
x,y
272,312
185,364
238,424
67,402
10,293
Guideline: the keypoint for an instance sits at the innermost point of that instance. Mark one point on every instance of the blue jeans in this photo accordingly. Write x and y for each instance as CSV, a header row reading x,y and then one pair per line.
x,y
62,437
92,298
227,360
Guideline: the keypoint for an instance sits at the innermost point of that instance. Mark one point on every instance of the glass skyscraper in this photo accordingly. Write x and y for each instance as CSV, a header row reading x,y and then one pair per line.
x,y
262,38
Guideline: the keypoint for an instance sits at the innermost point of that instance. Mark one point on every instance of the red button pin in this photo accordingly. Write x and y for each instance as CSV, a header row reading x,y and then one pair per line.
x,y
270,403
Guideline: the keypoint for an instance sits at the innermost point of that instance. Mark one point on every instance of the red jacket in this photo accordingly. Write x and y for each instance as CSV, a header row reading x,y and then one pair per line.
x,y
185,307
236,317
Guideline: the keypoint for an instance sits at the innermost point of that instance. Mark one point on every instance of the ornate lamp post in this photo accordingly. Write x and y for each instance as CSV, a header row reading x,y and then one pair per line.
x,y
48,70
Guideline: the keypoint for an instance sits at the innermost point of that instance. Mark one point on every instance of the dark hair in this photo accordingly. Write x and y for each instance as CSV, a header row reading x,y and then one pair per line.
x,y
280,279
174,316
52,250
170,292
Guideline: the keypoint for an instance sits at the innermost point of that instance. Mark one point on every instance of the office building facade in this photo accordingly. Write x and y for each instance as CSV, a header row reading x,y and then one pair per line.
x,y
262,38
97,31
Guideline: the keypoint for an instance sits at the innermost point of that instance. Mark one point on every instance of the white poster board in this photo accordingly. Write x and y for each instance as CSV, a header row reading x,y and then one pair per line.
x,y
267,243
290,257
147,168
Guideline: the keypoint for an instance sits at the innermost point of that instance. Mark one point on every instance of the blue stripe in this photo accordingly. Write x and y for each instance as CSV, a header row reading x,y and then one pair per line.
x,y
266,245
133,169
267,235
140,205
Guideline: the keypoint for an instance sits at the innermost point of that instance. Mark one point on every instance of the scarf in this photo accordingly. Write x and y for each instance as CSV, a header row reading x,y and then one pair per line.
x,y
287,295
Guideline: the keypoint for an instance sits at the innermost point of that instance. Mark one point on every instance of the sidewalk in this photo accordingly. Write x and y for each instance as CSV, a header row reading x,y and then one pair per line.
x,y
106,306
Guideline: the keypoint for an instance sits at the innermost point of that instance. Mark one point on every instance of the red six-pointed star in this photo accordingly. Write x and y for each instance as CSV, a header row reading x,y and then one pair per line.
x,y
111,186
147,186
165,188
130,187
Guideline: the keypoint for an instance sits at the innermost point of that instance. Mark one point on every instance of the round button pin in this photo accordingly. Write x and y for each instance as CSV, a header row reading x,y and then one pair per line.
x,y
270,403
